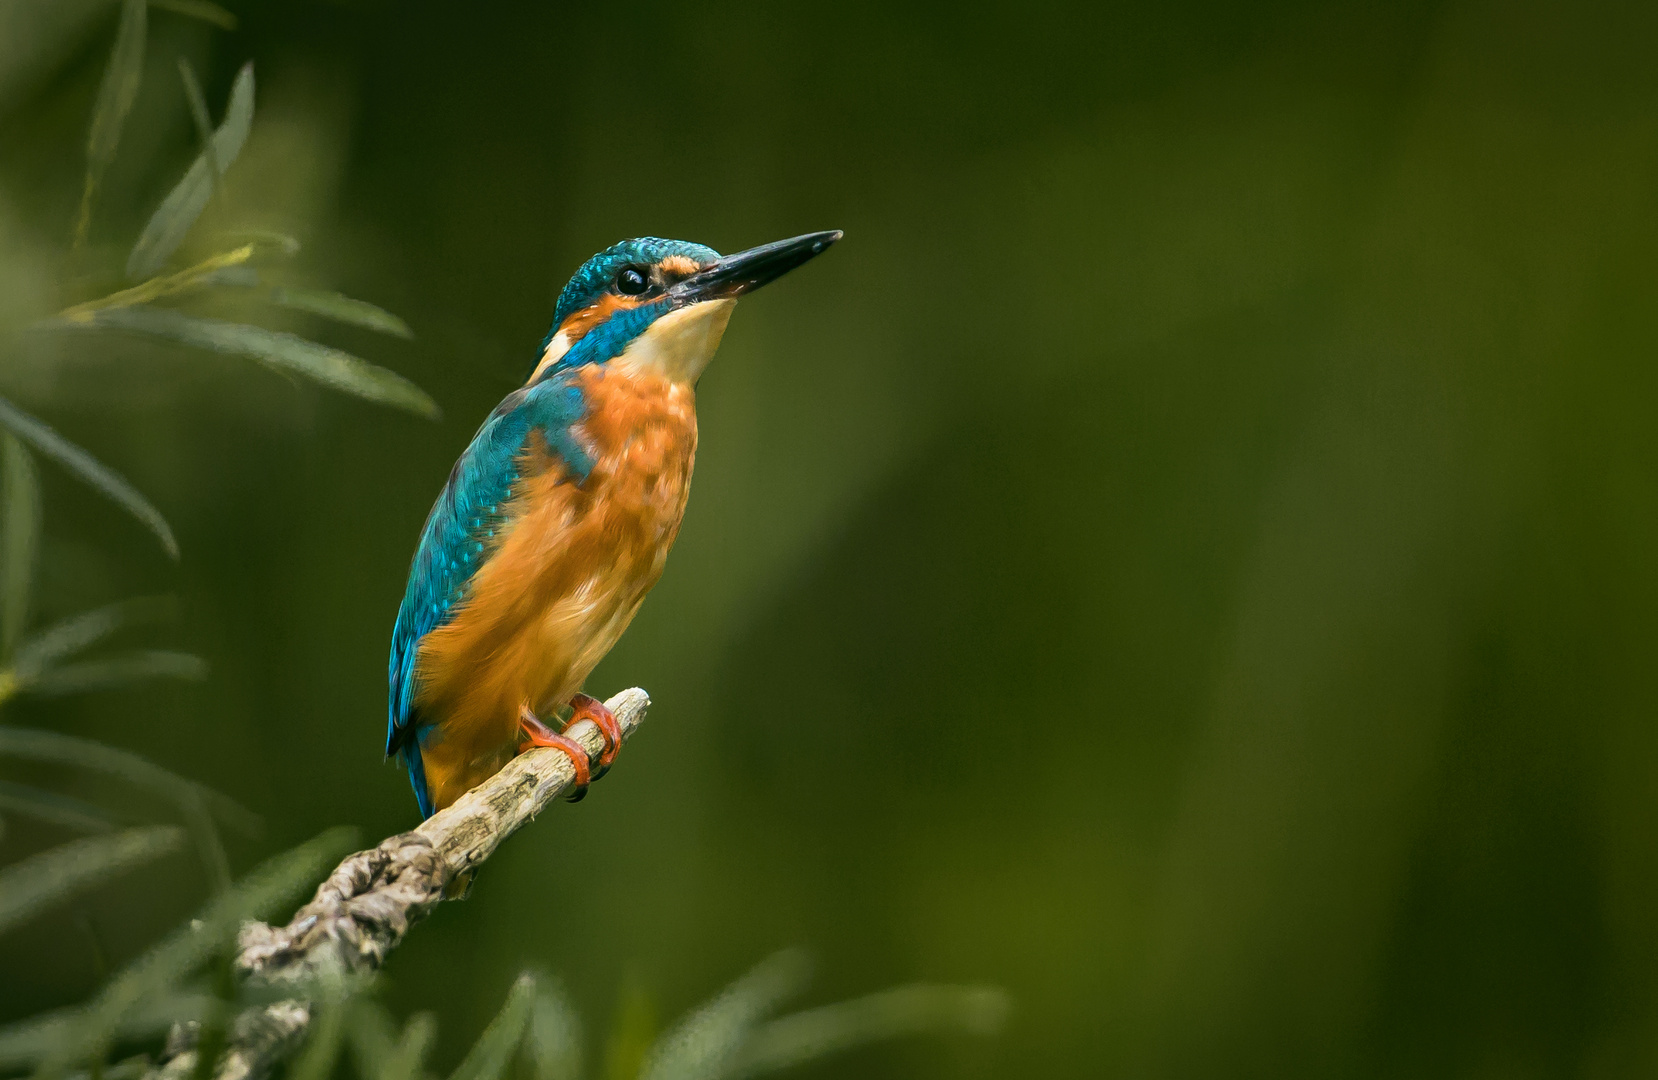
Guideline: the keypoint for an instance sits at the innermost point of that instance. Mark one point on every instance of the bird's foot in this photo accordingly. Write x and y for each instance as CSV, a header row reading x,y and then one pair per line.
x,y
538,734
591,708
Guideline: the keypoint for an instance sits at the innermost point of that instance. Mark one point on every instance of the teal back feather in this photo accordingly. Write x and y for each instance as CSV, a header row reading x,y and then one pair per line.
x,y
457,536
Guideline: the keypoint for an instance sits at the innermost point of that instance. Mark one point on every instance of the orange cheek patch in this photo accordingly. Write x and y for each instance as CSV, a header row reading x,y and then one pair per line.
x,y
680,265
577,325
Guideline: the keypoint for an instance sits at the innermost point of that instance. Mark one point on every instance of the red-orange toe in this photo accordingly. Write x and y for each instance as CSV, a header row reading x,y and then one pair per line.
x,y
538,734
591,708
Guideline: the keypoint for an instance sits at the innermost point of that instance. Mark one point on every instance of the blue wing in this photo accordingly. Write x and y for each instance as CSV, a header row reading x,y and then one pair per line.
x,y
458,531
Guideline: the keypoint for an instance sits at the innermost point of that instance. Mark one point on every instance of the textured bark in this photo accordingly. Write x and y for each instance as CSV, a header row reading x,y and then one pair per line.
x,y
361,912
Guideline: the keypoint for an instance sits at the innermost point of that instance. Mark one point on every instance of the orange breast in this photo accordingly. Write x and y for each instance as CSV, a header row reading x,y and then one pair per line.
x,y
572,567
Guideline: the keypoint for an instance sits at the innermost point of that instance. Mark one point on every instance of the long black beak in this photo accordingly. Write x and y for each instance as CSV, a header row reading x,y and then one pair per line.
x,y
746,271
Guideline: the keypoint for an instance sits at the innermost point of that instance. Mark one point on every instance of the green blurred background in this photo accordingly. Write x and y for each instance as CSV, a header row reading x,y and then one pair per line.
x,y
1189,556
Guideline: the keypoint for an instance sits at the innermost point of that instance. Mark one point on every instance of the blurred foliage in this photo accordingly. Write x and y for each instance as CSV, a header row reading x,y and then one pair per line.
x,y
1208,497
185,978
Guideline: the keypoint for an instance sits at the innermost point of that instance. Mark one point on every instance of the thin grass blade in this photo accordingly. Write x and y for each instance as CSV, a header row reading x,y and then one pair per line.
x,y
408,1059
703,1046
198,9
489,1056
206,272
172,220
115,97
287,352
105,480
31,886
372,1035
64,639
904,1010
634,1031
276,242
48,806
554,1038
322,1045
35,745
198,805
103,674
126,1069
341,308
238,121
198,105
209,848
26,1042
273,885
19,539
212,1031
235,277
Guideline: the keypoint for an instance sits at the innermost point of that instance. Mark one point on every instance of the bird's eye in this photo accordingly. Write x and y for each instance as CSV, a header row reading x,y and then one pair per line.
x,y
630,282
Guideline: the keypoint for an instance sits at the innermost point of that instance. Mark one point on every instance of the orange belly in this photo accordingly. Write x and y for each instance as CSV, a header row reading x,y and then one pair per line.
x,y
564,580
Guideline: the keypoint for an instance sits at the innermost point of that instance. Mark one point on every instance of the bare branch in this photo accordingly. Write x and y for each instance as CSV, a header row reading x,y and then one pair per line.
x,y
361,912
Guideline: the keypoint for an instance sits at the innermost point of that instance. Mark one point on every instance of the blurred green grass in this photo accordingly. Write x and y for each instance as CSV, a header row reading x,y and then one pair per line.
x,y
1208,498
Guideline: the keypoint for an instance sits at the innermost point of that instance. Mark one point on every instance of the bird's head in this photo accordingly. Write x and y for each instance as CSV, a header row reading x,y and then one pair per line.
x,y
661,305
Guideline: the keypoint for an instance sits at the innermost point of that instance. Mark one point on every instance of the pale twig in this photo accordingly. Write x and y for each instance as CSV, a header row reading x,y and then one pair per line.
x,y
361,912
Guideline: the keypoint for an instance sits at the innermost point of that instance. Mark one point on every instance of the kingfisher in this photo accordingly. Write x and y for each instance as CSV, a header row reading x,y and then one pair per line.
x,y
557,519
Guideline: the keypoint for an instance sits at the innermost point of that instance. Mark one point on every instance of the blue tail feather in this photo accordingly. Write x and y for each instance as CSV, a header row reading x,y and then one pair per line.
x,y
417,775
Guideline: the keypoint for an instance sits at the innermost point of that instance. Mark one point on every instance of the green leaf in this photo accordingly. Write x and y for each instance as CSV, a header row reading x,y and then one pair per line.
x,y
703,1046
126,1069
276,242
19,539
101,674
64,639
35,745
904,1010
198,9
206,272
489,1056
49,806
340,308
119,88
115,97
171,221
198,105
29,887
555,1035
209,848
287,352
198,804
633,1032
327,1031
381,1052
236,277
372,1035
107,481
408,1059
273,885
26,1042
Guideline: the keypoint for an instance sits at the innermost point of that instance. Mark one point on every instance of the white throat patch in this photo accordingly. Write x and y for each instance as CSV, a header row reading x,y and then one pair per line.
x,y
556,348
679,344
